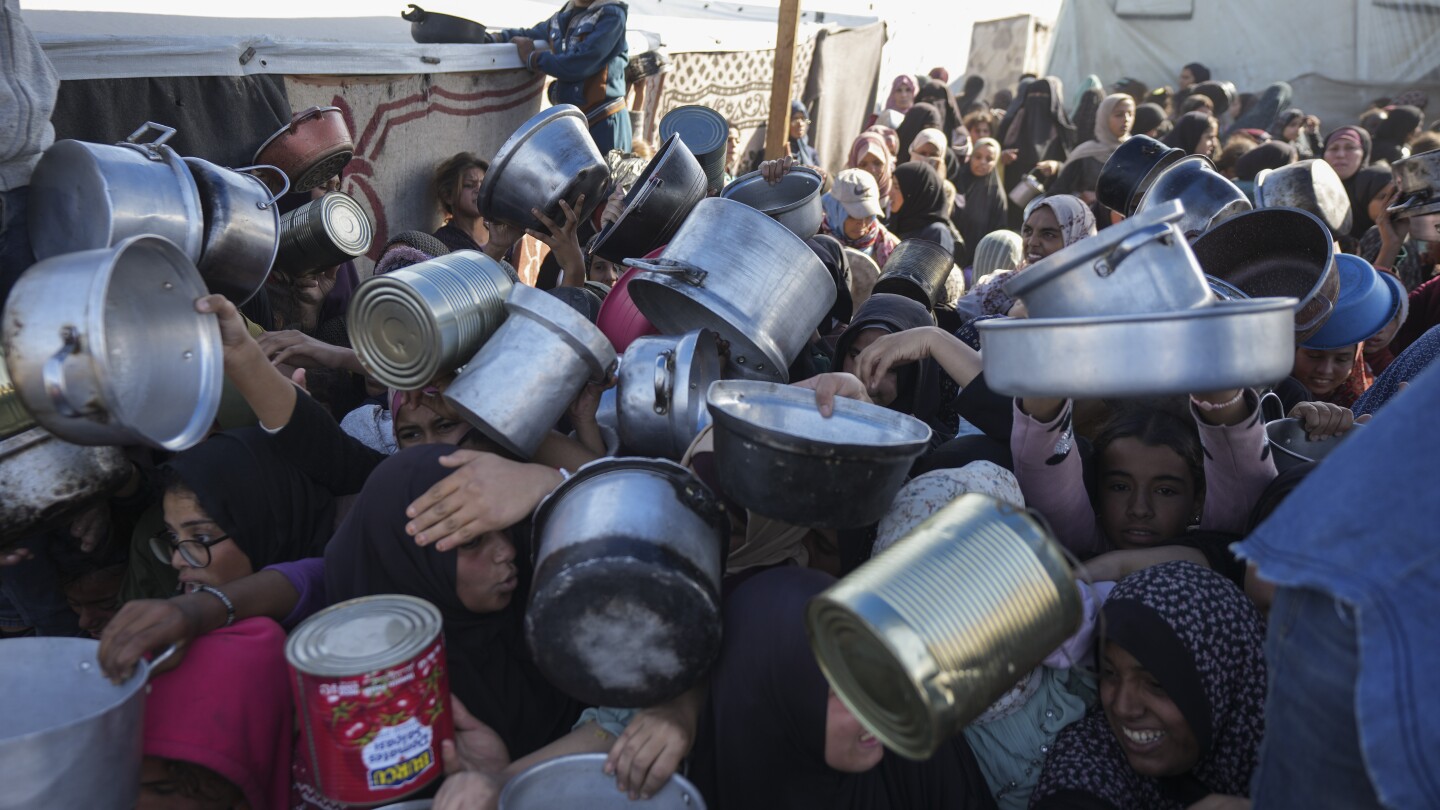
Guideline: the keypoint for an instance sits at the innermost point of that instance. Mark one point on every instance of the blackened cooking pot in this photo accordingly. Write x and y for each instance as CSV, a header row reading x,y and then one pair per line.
x,y
1130,171
672,183
429,28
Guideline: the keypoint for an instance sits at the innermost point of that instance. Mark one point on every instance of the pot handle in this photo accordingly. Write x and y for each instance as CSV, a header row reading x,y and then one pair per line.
x,y
688,273
1319,316
284,183
52,374
1271,408
416,14
165,133
1110,262
664,380
308,113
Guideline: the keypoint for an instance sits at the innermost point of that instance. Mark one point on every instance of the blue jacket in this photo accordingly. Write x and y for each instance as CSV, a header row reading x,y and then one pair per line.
x,y
583,43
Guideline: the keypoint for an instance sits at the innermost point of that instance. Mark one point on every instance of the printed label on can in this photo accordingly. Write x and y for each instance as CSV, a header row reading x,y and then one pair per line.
x,y
376,737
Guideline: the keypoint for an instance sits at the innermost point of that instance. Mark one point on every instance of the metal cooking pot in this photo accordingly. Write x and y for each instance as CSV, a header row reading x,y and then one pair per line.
x,y
660,396
1425,225
1131,169
918,270
1276,252
311,149
85,196
242,227
549,158
1228,344
921,639
1292,446
658,202
1310,185
105,346
520,382
70,738
1209,198
625,606
323,233
1139,266
45,479
1026,189
579,780
777,456
764,293
1419,179
413,324
793,202
429,28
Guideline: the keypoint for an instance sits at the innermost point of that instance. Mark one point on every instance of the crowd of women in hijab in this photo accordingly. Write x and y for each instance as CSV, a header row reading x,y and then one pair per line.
x,y
732,508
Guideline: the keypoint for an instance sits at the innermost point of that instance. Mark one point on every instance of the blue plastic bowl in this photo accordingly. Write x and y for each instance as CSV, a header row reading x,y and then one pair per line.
x,y
1366,304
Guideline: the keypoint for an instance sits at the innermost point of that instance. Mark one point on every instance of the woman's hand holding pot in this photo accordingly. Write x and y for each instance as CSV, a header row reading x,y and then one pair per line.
x,y
1323,420
831,385
147,625
651,748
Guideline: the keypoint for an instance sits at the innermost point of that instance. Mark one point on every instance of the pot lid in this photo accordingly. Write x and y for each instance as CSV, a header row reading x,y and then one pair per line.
x,y
1368,300
1088,250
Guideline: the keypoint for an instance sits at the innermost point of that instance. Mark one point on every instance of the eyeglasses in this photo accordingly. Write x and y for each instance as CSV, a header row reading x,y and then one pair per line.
x,y
195,551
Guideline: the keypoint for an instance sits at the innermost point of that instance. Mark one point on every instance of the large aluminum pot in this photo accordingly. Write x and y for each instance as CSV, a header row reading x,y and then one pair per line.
x,y
549,158
105,346
323,233
242,227
70,738
1310,185
793,202
1141,265
777,456
1209,198
1131,169
625,606
312,148
1276,252
916,269
660,394
921,639
411,325
45,480
85,196
741,274
579,780
1227,344
661,198
520,382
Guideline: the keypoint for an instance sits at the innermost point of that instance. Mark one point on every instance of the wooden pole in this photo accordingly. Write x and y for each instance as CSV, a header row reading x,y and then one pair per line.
x,y
777,131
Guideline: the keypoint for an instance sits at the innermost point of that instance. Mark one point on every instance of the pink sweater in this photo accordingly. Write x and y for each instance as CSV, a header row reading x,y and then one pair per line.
x,y
1237,470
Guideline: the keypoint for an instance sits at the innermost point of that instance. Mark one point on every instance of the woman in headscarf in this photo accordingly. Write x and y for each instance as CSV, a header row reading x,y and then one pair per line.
x,y
1347,150
1051,224
1036,129
902,96
1112,127
997,251
1085,114
1182,695
985,205
869,152
479,589
1392,139
1262,114
233,505
852,216
1149,117
937,94
1190,75
1299,130
921,116
972,96
775,735
1198,133
889,136
918,209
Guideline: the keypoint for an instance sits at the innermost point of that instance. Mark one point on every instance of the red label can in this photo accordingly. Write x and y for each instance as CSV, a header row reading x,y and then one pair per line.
x,y
373,693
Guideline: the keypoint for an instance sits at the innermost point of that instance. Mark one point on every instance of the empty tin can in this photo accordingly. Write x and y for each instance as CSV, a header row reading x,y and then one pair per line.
x,y
323,233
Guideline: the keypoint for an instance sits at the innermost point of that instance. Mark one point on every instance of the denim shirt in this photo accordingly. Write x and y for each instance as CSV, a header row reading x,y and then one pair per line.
x,y
1364,529
583,42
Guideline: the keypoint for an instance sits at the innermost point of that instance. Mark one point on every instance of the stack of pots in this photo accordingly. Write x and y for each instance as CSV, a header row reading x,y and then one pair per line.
x,y
1129,313
706,133
411,325
763,294
520,382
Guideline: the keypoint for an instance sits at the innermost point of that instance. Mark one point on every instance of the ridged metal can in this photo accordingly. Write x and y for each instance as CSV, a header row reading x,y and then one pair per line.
x,y
372,688
323,233
413,324
921,639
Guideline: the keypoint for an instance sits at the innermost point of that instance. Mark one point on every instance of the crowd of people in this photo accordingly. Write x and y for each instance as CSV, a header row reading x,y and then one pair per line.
x,y
318,485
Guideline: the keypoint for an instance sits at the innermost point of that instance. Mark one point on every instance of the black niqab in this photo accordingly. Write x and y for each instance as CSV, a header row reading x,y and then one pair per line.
x,y
921,115
924,199
938,94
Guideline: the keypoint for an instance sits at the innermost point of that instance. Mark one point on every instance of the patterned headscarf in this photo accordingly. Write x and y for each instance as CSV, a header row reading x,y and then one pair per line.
x,y
1076,222
1200,636
873,143
925,494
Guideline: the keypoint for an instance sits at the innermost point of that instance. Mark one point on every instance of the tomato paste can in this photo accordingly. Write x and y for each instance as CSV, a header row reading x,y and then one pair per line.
x,y
373,694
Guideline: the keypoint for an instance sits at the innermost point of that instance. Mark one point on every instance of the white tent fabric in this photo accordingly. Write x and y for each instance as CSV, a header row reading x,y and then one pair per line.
x,y
1336,54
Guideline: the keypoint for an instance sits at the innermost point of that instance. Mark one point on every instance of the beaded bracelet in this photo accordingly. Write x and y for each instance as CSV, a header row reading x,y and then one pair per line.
x,y
229,606
1212,406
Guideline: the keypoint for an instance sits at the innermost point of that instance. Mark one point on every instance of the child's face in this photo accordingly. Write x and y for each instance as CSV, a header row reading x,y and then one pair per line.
x,y
1147,494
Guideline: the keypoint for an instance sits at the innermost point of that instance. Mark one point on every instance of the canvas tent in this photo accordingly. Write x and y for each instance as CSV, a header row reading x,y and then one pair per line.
x,y
1336,54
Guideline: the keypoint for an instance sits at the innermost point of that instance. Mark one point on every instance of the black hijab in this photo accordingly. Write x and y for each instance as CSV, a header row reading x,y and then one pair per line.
x,y
273,511
1085,113
1188,131
972,94
917,384
1198,72
1268,155
490,668
924,199
1263,113
921,115
1391,136
938,94
1148,117
985,208
762,740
